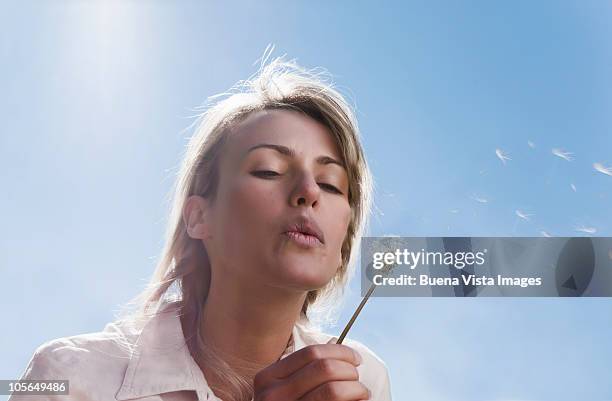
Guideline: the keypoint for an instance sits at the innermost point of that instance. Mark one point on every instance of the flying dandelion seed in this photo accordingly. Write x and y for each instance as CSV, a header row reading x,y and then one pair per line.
x,y
602,169
454,211
573,187
502,156
545,234
479,199
523,215
531,144
586,230
562,154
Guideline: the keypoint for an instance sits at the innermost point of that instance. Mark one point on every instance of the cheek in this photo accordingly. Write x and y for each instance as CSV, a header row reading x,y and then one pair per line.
x,y
241,198
249,209
251,199
342,220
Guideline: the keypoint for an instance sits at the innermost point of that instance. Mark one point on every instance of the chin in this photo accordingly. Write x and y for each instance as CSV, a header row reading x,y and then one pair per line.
x,y
295,276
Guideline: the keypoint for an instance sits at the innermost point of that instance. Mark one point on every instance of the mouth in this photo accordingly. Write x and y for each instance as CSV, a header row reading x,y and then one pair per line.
x,y
303,240
305,232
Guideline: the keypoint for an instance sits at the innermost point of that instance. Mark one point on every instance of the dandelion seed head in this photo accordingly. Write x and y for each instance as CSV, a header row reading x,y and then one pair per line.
x,y
523,215
562,154
480,199
602,169
586,230
501,155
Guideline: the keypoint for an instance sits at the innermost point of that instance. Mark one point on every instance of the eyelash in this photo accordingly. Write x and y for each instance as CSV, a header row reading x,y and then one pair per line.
x,y
269,174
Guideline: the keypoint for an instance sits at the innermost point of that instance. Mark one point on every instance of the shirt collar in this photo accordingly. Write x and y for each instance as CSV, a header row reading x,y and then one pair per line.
x,y
161,362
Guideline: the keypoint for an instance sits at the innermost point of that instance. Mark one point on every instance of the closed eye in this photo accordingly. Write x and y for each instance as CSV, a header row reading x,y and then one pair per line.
x,y
331,188
265,173
269,174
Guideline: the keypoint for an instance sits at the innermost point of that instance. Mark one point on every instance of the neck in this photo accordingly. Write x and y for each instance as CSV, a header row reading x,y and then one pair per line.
x,y
248,324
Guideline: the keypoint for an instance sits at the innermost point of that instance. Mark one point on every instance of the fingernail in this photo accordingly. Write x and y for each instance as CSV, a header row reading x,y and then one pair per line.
x,y
358,357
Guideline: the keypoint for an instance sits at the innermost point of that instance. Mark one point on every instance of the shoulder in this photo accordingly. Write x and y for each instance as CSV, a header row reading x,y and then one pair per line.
x,y
99,358
373,371
69,352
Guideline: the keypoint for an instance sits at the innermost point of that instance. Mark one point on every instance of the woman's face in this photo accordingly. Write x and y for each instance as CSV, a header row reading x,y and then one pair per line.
x,y
277,168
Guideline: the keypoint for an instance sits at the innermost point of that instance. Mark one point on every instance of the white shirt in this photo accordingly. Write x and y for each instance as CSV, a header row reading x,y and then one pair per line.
x,y
156,364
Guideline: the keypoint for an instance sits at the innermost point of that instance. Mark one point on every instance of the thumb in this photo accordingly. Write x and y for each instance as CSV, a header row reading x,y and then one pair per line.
x,y
332,340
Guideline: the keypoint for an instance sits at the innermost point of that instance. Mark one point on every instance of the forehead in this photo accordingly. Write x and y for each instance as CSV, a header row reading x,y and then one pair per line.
x,y
283,127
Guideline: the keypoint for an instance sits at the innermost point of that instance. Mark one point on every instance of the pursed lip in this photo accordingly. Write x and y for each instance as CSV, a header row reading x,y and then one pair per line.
x,y
305,225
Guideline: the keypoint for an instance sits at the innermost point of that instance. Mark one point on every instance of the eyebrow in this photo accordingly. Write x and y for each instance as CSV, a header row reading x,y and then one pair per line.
x,y
291,153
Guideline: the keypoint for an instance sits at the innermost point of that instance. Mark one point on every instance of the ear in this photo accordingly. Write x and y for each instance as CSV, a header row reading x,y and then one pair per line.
x,y
196,214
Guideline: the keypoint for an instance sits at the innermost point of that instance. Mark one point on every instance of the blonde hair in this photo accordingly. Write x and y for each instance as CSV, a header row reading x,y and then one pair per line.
x,y
184,263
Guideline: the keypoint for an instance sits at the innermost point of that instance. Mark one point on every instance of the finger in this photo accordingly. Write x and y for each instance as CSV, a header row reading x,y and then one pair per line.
x,y
314,374
297,360
338,391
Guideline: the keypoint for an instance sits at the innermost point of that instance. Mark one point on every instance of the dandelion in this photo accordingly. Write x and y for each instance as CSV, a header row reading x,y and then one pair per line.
x,y
531,144
573,187
502,156
602,169
388,243
562,154
545,234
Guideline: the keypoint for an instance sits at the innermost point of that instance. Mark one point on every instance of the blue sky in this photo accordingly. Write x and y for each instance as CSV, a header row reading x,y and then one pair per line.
x,y
96,97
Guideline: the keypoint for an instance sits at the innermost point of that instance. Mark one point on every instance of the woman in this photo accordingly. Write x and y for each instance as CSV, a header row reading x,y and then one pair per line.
x,y
270,202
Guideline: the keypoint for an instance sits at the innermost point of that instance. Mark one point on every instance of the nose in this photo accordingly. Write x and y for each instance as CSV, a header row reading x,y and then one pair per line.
x,y
306,192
